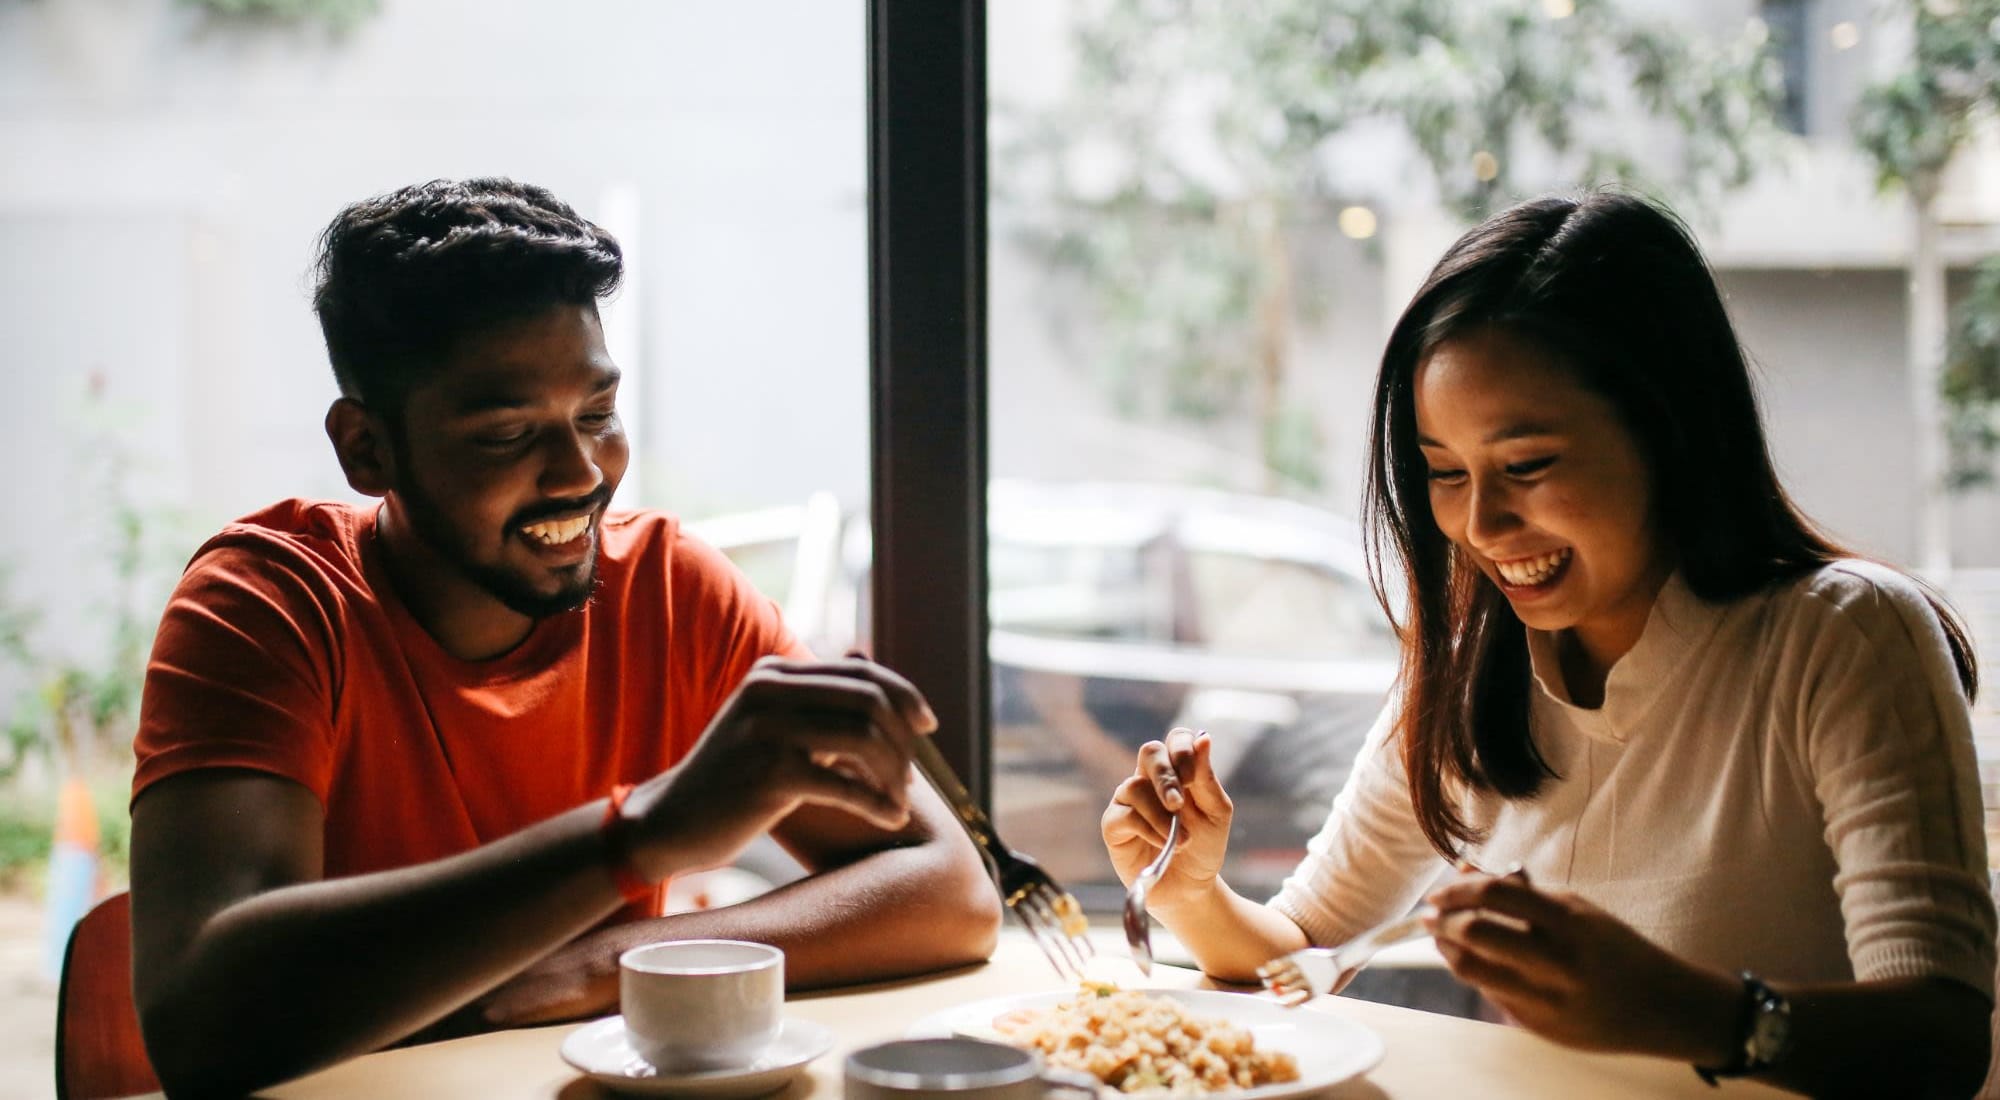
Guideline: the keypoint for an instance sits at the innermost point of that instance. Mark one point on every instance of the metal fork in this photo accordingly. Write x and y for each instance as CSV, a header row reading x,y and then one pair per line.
x,y
1302,975
1139,926
1049,912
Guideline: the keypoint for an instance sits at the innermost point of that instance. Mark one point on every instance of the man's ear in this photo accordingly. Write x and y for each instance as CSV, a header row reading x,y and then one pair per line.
x,y
361,442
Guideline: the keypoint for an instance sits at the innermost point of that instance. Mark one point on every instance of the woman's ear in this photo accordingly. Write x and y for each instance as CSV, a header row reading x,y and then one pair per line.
x,y
361,443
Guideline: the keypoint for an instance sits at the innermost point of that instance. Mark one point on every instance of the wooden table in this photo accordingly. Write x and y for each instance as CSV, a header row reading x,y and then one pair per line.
x,y
1427,1055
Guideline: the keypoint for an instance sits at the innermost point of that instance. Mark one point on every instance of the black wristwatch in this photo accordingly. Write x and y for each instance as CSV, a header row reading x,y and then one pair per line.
x,y
1764,1035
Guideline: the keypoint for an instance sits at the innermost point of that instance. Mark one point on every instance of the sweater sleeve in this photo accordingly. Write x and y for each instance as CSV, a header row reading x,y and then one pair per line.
x,y
1370,861
1887,740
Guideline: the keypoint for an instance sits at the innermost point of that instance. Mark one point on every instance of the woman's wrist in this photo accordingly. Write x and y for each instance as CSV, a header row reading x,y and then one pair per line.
x,y
1190,903
1705,1022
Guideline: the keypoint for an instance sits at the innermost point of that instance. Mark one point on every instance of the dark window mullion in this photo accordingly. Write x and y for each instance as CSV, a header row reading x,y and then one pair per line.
x,y
927,346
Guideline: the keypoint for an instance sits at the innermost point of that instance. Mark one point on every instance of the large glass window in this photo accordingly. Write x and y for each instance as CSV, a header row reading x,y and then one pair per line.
x,y
1203,226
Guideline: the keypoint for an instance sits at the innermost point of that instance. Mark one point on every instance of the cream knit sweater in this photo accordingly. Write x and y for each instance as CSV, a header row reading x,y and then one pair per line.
x,y
1784,784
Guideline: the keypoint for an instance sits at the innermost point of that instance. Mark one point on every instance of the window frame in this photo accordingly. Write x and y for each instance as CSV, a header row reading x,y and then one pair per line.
x,y
927,363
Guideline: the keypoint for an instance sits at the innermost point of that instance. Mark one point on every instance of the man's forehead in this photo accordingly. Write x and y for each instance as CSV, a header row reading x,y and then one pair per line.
x,y
481,385
551,355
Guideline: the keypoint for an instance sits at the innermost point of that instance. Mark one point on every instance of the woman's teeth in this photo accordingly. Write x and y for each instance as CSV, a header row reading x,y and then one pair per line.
x,y
558,531
1528,572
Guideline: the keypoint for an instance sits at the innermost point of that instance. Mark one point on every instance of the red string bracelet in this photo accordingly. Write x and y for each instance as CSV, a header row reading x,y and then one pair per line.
x,y
619,861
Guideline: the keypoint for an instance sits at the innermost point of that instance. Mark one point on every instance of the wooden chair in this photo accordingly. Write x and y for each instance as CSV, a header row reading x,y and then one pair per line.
x,y
1991,1089
99,1052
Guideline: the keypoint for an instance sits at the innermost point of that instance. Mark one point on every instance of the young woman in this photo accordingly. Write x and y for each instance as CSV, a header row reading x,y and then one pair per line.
x,y
1733,763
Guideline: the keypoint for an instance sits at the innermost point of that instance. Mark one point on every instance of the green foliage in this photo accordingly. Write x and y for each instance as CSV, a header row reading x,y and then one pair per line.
x,y
337,15
1912,123
78,711
27,832
25,841
114,825
1197,141
1972,380
1199,265
1292,444
23,728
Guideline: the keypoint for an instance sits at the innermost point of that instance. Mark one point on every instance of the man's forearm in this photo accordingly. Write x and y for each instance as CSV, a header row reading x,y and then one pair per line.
x,y
302,976
899,911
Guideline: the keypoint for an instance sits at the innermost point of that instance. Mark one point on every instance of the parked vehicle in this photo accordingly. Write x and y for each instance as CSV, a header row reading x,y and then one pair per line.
x,y
1121,610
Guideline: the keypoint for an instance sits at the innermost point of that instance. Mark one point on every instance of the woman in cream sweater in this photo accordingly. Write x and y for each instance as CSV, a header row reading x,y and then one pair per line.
x,y
1732,762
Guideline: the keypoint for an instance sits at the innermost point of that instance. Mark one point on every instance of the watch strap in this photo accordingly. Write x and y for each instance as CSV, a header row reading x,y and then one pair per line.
x,y
1759,1000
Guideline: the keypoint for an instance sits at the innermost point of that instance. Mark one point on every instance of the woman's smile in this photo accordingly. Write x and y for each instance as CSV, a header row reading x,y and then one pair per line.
x,y
1535,576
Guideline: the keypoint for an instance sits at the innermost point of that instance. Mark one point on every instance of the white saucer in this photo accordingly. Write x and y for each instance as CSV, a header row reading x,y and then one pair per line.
x,y
600,1050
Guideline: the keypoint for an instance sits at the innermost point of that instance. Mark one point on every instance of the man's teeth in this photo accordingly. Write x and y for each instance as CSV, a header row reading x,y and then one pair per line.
x,y
558,531
1532,571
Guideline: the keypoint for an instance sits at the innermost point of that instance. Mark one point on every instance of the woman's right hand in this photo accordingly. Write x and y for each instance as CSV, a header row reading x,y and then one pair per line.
x,y
1172,778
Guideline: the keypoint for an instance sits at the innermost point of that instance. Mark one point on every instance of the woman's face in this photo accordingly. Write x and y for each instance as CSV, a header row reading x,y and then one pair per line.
x,y
1540,484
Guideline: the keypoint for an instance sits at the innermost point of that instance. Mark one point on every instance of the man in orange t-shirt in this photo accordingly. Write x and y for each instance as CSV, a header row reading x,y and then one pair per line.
x,y
421,767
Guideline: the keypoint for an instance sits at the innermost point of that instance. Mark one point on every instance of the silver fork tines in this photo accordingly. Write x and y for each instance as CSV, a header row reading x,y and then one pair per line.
x,y
1315,971
1049,913
1284,977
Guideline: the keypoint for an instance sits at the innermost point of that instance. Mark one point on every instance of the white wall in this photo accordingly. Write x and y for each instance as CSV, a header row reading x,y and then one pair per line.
x,y
165,176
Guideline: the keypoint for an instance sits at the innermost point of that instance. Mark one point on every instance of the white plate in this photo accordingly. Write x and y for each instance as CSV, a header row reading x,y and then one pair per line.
x,y
1329,1049
600,1050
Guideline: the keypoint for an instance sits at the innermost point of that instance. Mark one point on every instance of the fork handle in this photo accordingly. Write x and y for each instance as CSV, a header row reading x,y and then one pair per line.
x,y
945,781
1152,871
1360,949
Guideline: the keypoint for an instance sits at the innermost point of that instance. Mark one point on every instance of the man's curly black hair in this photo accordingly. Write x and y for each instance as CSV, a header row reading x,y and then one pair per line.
x,y
403,277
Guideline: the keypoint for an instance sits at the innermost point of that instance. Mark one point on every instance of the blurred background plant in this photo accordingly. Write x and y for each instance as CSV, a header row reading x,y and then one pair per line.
x,y
1972,380
76,689
1912,126
335,15
1197,138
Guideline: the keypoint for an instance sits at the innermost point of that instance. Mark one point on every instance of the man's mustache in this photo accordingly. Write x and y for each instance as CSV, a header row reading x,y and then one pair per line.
x,y
551,509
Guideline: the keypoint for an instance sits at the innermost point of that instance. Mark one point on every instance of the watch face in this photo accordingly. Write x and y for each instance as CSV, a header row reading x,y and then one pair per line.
x,y
1770,1033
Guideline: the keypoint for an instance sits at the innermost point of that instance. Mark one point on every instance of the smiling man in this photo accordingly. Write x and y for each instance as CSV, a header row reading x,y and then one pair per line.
x,y
424,766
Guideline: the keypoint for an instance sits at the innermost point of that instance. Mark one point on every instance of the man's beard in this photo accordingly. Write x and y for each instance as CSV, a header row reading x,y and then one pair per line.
x,y
427,520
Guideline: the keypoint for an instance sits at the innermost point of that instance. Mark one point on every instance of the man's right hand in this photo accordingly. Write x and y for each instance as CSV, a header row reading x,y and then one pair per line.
x,y
829,733
1172,778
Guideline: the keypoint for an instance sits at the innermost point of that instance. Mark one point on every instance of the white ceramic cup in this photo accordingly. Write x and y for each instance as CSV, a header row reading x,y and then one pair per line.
x,y
695,1005
959,1068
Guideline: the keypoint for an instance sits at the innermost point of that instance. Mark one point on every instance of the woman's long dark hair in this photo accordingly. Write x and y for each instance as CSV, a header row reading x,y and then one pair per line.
x,y
1617,289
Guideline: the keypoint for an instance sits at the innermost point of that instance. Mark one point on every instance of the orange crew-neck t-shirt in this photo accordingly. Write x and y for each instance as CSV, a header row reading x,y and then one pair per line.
x,y
285,650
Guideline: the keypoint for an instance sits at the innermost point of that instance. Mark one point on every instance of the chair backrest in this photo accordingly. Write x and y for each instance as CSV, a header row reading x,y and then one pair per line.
x,y
1991,1089
99,1052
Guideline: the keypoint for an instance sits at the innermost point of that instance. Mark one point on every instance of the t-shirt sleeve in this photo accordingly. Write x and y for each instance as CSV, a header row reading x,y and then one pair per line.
x,y
725,625
1888,742
242,671
1370,861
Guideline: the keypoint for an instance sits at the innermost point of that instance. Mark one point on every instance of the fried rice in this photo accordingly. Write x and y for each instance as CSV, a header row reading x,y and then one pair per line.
x,y
1139,1042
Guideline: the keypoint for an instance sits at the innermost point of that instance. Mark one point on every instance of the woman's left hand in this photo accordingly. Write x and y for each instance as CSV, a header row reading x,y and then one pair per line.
x,y
1571,972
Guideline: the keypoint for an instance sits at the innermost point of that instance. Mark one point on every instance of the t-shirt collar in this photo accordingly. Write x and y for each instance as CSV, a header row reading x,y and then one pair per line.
x,y
1676,626
546,642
